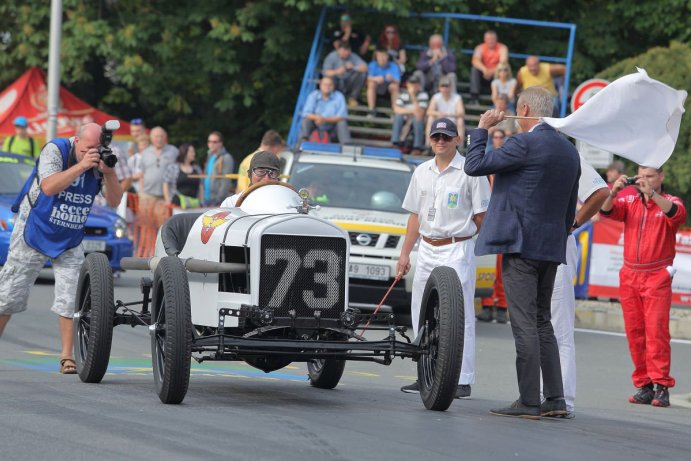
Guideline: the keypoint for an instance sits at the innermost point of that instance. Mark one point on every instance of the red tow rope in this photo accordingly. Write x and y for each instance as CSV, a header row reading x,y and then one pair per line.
x,y
395,281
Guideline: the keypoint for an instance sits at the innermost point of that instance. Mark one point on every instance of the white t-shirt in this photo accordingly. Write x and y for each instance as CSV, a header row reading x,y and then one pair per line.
x,y
446,201
447,108
589,182
231,201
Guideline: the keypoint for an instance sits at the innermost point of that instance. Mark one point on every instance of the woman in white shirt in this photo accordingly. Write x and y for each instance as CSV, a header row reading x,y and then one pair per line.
x,y
446,104
504,83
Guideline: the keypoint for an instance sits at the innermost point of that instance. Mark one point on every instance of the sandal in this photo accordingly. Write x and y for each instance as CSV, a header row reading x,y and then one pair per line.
x,y
68,367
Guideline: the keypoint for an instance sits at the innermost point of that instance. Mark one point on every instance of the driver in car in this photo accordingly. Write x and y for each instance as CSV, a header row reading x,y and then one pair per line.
x,y
264,166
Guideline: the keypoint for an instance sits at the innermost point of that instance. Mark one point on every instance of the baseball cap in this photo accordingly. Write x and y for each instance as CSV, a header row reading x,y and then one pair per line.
x,y
444,126
264,159
413,79
345,17
21,122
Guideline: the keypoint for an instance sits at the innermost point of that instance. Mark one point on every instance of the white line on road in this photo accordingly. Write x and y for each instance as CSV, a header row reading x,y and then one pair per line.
x,y
623,335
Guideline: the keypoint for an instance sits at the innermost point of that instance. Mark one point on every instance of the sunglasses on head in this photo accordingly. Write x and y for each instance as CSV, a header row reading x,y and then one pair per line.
x,y
136,121
261,172
441,136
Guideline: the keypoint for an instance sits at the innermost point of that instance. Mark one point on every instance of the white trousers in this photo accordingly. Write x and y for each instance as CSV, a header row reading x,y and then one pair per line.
x,y
461,257
563,319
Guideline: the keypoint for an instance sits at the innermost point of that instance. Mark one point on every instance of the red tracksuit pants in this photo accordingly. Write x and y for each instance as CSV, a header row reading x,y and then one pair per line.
x,y
646,299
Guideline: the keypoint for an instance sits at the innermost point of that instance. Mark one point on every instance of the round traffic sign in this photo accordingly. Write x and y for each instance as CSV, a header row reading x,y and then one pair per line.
x,y
585,91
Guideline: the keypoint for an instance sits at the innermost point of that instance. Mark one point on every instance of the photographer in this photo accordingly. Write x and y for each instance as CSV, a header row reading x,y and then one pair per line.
x,y
53,207
651,220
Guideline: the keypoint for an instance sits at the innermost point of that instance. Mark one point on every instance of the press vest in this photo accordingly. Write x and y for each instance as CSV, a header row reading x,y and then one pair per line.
x,y
56,222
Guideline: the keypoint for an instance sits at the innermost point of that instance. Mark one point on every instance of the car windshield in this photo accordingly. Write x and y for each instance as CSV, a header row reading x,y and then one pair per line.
x,y
13,175
345,186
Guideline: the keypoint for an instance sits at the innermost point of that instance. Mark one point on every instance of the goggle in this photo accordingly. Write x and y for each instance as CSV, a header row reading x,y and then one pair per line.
x,y
261,172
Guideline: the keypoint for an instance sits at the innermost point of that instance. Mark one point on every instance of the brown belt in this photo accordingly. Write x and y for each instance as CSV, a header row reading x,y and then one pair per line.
x,y
444,241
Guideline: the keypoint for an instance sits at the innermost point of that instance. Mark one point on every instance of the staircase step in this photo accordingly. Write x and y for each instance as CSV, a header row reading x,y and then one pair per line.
x,y
365,109
365,119
370,131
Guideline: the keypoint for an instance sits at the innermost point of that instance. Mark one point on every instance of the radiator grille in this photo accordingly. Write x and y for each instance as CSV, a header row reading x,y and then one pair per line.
x,y
303,273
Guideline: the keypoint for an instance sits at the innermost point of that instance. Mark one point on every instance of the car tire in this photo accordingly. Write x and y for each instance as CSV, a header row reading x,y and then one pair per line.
x,y
93,324
171,330
439,368
325,373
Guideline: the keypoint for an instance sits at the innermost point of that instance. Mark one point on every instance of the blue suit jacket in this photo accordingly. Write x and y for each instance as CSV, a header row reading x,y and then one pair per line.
x,y
533,202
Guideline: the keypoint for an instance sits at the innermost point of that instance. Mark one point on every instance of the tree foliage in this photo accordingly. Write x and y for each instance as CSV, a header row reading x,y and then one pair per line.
x,y
671,65
235,66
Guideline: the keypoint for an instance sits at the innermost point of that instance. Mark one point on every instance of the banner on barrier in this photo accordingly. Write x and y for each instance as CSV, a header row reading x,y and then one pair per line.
x,y
607,257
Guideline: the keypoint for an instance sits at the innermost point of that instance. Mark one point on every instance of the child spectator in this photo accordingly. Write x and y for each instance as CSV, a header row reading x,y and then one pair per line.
x,y
382,76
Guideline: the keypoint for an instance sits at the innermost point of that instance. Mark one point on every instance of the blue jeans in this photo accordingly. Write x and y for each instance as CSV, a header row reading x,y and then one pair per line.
x,y
418,130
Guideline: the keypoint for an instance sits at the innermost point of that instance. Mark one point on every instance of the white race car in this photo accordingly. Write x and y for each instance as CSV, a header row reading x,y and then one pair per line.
x,y
266,283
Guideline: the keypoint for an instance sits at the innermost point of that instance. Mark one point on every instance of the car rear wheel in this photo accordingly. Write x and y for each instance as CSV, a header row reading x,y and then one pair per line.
x,y
439,368
325,373
171,330
93,323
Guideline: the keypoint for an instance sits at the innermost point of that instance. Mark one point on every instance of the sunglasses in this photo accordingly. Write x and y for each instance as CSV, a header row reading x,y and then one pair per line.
x,y
261,172
136,121
497,137
213,141
441,136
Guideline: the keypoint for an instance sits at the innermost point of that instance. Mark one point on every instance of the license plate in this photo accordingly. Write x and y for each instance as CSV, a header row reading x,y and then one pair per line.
x,y
91,246
368,271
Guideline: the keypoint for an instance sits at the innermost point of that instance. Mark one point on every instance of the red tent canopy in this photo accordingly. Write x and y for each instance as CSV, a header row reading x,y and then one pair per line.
x,y
28,96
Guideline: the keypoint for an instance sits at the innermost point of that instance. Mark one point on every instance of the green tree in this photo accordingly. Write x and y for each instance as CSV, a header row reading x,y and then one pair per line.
x,y
671,65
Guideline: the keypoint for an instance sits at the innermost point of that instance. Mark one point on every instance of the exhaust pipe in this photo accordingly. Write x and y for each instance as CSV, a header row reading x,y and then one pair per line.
x,y
200,266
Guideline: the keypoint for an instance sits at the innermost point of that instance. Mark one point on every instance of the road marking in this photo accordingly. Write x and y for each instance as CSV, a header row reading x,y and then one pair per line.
x,y
622,335
363,373
42,353
407,378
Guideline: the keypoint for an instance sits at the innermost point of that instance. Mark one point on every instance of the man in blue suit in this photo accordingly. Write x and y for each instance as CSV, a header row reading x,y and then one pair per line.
x,y
531,211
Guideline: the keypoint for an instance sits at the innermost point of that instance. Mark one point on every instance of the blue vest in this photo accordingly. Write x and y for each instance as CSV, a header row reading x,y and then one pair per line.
x,y
56,222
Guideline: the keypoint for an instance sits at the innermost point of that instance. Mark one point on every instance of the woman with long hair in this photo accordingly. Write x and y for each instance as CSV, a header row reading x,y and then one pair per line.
x,y
391,41
178,188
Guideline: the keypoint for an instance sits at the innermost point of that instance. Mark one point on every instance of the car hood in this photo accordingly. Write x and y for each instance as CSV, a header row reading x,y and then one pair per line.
x,y
99,217
364,220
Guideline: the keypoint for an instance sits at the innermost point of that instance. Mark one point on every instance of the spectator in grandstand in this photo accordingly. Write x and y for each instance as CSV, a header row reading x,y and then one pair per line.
x,y
155,160
504,84
446,104
498,138
345,33
271,142
486,58
20,142
347,70
536,73
218,163
325,111
434,63
178,188
411,104
382,76
390,40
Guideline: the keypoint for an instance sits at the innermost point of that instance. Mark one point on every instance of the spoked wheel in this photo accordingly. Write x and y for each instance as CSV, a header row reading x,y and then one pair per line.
x,y
93,322
171,330
439,368
325,373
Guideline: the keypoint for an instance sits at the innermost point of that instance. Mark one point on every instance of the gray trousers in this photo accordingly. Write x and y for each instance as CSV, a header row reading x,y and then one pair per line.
x,y
340,129
528,284
351,84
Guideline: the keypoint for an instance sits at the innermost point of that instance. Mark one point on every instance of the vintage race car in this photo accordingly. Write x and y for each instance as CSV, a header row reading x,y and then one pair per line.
x,y
266,283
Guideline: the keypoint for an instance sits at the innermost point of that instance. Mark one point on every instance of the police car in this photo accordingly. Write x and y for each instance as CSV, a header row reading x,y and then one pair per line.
x,y
361,190
105,231
264,282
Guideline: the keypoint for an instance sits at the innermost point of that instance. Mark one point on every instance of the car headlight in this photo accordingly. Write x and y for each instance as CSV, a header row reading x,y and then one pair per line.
x,y
120,229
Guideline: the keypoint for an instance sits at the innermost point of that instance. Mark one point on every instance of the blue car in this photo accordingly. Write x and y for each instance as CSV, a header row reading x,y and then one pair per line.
x,y
106,232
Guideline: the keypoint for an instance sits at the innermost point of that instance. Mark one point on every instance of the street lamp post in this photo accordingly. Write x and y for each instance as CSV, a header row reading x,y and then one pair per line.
x,y
54,68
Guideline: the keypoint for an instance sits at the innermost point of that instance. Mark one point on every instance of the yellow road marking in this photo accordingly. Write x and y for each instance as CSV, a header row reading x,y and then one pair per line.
x,y
363,373
43,353
409,378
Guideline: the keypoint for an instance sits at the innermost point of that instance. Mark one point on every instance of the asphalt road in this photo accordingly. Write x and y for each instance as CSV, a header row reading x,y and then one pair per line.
x,y
233,411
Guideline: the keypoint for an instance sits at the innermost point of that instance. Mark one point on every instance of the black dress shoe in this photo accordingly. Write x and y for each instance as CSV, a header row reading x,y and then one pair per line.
x,y
553,408
518,410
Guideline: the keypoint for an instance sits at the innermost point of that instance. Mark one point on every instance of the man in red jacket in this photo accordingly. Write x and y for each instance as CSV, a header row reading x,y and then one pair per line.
x,y
651,220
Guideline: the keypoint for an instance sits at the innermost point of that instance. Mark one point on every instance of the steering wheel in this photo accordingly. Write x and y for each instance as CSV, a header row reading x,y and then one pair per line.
x,y
254,187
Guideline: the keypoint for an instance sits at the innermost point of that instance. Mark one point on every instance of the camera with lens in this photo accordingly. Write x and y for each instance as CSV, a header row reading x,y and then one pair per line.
x,y
631,181
106,153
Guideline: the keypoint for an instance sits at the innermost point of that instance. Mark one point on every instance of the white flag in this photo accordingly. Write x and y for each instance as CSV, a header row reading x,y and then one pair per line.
x,y
635,117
